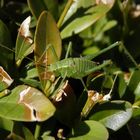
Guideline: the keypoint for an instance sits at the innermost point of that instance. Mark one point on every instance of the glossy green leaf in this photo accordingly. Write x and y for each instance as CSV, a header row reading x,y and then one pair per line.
x,y
38,6
82,14
24,42
5,80
90,130
47,46
26,104
113,114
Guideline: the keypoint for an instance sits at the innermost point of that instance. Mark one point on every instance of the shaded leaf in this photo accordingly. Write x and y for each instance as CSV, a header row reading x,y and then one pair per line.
x,y
27,134
37,7
134,124
132,92
24,42
46,137
113,114
5,42
82,14
5,37
90,130
26,104
47,46
14,136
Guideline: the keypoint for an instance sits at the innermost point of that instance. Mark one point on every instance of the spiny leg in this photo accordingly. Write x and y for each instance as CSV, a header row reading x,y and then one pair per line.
x,y
92,56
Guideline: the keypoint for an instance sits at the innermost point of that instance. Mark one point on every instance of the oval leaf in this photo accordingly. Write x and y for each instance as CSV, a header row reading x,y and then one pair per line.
x,y
47,45
24,42
90,130
113,115
82,14
26,104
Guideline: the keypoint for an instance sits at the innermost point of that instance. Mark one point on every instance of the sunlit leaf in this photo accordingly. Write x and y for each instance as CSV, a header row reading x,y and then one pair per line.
x,y
32,73
26,104
5,79
113,114
47,46
82,14
90,130
24,42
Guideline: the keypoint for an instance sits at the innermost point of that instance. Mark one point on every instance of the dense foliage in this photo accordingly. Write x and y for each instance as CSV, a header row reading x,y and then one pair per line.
x,y
69,69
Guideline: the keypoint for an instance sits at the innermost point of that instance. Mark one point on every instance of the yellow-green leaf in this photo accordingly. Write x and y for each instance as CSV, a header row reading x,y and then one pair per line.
x,y
82,14
26,103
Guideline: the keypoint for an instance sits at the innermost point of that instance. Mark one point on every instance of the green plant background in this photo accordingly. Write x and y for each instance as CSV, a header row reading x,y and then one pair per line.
x,y
45,95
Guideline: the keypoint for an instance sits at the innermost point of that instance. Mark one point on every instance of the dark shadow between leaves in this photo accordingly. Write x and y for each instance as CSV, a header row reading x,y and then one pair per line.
x,y
81,129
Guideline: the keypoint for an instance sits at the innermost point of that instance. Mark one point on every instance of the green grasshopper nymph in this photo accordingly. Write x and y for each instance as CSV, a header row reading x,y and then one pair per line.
x,y
76,68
